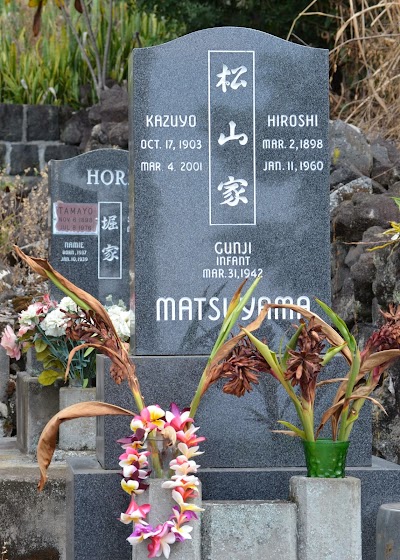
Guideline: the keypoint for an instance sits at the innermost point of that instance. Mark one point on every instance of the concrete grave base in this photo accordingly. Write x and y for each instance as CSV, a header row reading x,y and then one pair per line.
x,y
36,404
246,529
78,434
328,517
32,523
95,501
161,504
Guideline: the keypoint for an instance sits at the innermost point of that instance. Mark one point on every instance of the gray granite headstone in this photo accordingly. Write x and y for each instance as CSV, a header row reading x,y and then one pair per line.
x,y
230,164
185,94
90,222
229,178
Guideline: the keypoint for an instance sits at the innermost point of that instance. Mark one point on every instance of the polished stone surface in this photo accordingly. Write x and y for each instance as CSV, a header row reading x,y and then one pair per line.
x,y
229,162
90,222
237,430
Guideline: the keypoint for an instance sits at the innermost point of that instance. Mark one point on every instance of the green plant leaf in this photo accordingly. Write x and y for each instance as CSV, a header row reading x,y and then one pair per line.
x,y
42,356
397,200
339,324
300,433
331,353
291,345
88,351
48,376
40,345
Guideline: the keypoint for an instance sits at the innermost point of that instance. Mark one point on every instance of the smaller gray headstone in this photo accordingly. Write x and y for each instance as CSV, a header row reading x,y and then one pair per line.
x,y
90,222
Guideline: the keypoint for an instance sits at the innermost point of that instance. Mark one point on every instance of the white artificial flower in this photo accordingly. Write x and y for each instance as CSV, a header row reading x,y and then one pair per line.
x,y
54,323
29,317
121,319
68,304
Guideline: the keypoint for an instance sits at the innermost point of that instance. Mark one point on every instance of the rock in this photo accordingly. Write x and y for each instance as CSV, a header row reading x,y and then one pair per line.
x,y
99,134
353,217
344,303
349,148
94,114
386,161
343,174
118,134
76,130
386,426
394,189
345,192
114,104
386,286
363,274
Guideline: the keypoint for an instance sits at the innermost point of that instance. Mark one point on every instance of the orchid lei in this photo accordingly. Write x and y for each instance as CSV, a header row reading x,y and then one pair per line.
x,y
176,426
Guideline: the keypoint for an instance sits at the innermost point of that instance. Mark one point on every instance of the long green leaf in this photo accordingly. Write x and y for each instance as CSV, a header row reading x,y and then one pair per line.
x,y
339,324
294,429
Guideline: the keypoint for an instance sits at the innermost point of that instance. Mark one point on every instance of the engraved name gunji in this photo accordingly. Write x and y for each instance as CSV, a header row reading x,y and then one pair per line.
x,y
171,121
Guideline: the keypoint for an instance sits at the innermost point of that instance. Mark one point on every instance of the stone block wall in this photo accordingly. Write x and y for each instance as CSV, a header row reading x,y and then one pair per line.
x,y
30,136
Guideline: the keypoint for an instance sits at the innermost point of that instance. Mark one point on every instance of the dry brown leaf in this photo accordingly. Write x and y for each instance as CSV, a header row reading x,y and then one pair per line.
x,y
256,324
378,359
334,338
236,298
328,381
44,269
327,414
37,20
48,438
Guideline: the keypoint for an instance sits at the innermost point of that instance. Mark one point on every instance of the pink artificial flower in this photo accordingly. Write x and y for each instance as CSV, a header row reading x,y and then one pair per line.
x,y
160,540
46,304
9,342
23,330
176,418
150,418
135,513
189,437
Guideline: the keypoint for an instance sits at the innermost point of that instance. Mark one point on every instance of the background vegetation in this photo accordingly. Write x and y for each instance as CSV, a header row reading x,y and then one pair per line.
x,y
362,35
50,69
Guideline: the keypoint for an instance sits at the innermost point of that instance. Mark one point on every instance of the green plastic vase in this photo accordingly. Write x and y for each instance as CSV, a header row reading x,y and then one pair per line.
x,y
326,458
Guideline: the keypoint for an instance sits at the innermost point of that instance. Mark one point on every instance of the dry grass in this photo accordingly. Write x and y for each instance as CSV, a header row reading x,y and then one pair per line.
x,y
367,49
24,222
366,54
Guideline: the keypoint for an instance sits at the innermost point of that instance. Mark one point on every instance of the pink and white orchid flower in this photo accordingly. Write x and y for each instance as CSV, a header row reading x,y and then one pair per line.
x,y
9,342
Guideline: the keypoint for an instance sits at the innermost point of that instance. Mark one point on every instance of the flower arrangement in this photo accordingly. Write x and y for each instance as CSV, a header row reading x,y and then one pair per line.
x,y
51,329
96,330
312,346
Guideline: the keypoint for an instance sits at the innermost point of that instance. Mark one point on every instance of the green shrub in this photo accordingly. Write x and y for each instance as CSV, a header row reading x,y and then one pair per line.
x,y
50,68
